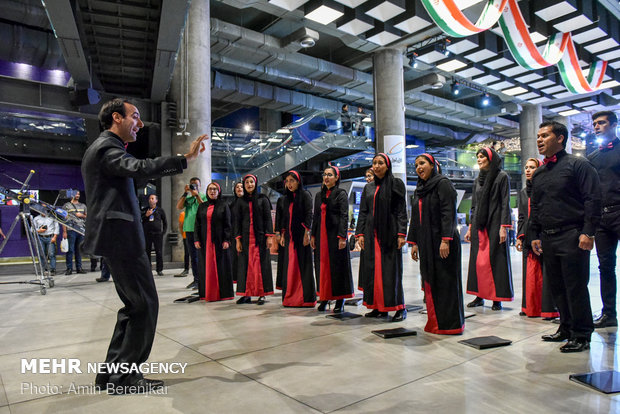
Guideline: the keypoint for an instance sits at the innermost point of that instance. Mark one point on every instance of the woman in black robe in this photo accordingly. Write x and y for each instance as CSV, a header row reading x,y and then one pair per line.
x,y
253,230
295,221
489,275
332,262
381,227
238,194
537,299
369,176
279,225
435,241
212,231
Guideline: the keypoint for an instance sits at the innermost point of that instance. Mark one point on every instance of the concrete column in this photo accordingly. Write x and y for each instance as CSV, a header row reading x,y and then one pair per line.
x,y
566,121
269,120
389,96
531,117
191,87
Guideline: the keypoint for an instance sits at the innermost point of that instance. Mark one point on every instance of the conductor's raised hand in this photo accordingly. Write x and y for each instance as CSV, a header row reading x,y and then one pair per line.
x,y
197,146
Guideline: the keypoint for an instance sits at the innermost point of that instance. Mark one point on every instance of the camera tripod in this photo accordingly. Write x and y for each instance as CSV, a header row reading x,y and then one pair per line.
x,y
36,251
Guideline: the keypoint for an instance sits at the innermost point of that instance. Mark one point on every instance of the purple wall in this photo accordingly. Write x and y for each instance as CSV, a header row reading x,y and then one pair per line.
x,y
48,179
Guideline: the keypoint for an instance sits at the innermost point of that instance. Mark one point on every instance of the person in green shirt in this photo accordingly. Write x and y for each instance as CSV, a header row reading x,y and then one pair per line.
x,y
189,201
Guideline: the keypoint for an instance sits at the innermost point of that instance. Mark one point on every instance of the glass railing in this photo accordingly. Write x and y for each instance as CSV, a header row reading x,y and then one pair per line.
x,y
41,122
235,152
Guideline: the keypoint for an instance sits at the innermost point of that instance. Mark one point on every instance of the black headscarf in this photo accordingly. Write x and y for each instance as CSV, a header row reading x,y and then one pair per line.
x,y
426,186
486,178
384,221
297,228
528,183
324,188
253,198
219,193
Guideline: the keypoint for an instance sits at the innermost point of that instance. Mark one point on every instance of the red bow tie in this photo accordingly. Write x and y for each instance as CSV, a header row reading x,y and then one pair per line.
x,y
551,160
609,145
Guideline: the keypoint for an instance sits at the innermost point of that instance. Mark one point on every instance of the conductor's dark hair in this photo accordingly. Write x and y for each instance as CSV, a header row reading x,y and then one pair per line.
x,y
611,116
108,108
558,129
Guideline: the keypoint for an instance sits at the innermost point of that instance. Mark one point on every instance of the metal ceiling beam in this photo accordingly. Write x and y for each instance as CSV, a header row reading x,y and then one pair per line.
x,y
62,19
173,17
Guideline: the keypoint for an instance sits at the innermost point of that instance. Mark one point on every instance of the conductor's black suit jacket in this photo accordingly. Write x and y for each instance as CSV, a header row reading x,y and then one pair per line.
x,y
113,227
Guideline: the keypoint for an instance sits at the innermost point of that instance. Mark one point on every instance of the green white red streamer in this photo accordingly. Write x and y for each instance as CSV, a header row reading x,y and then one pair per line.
x,y
558,50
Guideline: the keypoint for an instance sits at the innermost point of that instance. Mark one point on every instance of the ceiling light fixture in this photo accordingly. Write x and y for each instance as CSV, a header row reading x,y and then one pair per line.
x,y
486,100
456,89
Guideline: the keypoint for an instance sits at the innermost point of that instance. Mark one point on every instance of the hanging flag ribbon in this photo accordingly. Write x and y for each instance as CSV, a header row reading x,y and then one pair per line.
x,y
520,42
559,49
572,75
449,17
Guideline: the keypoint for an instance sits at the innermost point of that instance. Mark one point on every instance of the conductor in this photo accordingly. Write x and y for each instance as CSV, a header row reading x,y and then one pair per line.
x,y
113,230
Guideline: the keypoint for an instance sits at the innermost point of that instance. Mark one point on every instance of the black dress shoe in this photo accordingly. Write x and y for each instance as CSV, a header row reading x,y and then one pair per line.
x,y
244,299
559,336
376,314
261,300
81,271
522,313
101,279
604,321
339,308
475,302
192,285
400,315
322,306
496,306
68,272
575,345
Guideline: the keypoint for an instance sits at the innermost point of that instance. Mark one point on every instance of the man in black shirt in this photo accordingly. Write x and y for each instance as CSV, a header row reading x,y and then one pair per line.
x,y
154,224
566,206
606,160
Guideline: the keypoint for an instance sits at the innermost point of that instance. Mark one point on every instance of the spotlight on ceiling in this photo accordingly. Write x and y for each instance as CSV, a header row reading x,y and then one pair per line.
x,y
413,61
486,100
307,42
247,127
456,89
438,84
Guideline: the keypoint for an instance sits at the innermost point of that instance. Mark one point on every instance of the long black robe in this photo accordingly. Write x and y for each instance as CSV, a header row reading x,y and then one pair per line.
x,y
301,275
336,222
279,227
433,219
389,293
535,285
234,254
221,230
490,275
262,228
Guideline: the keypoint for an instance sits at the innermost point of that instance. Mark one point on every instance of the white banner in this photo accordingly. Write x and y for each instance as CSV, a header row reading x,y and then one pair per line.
x,y
395,148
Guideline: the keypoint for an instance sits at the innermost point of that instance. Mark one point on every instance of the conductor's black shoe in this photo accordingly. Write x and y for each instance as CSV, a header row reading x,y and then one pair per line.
x,y
261,300
69,272
604,321
475,302
160,273
496,306
375,314
400,315
81,271
192,285
559,336
143,385
322,306
101,279
244,299
575,345
339,308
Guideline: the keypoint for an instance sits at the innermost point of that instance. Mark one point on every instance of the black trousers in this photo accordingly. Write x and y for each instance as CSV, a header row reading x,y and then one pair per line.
x,y
193,253
567,268
156,241
607,236
136,321
185,256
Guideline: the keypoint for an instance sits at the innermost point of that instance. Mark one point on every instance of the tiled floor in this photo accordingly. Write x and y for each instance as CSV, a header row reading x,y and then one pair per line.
x,y
268,359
